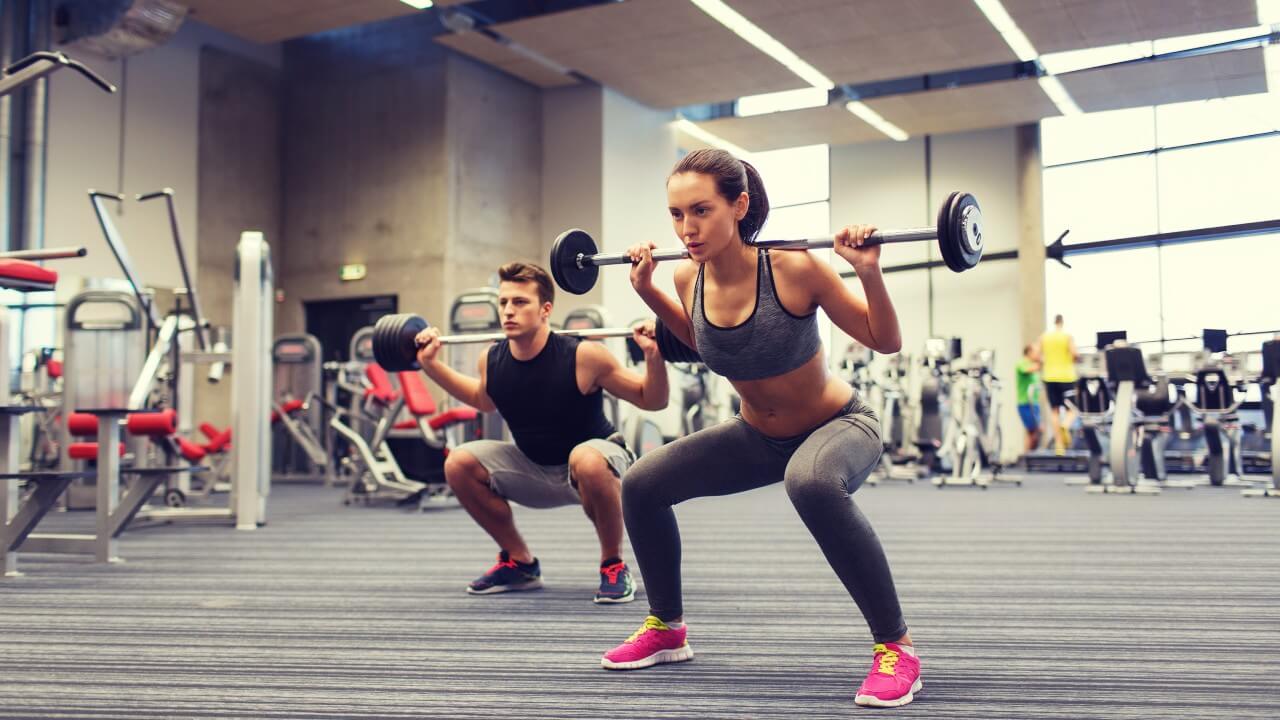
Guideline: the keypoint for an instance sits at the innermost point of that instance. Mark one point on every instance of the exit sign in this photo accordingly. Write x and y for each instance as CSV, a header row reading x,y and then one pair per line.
x,y
353,271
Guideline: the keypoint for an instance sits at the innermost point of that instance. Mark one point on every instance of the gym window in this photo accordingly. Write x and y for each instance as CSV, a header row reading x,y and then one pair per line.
x,y
1143,171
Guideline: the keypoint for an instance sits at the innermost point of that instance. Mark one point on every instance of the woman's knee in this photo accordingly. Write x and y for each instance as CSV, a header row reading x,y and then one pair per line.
x,y
644,482
834,467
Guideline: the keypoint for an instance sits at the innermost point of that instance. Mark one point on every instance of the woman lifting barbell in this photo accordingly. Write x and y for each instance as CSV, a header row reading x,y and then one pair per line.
x,y
750,313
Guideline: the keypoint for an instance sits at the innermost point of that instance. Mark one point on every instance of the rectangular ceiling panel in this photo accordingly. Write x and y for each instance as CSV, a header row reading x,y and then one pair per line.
x,y
268,21
1239,72
663,53
831,124
487,50
972,107
855,42
1056,25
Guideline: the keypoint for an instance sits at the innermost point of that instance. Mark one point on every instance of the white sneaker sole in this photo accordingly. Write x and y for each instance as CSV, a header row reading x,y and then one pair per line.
x,y
614,601
873,701
680,654
514,587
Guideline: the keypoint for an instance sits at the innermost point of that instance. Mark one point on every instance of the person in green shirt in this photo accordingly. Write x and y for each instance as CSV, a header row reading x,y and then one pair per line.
x,y
1029,395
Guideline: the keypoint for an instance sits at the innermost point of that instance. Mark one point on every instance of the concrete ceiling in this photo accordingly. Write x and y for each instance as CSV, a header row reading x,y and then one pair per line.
x,y
1056,25
970,107
668,53
1002,104
854,42
831,124
269,21
1241,72
502,57
663,53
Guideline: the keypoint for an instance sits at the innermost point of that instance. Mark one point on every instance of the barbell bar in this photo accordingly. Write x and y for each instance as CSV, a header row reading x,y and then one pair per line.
x,y
395,345
576,260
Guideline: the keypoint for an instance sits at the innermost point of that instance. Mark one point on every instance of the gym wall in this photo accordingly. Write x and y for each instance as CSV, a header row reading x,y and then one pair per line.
x,y
142,138
605,160
423,166
887,183
572,176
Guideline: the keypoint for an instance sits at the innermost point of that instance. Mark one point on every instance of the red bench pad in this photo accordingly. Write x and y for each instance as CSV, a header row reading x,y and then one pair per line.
x,y
86,451
26,270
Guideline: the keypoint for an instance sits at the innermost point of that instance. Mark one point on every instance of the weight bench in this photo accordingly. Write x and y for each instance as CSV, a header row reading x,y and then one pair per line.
x,y
423,408
21,514
113,511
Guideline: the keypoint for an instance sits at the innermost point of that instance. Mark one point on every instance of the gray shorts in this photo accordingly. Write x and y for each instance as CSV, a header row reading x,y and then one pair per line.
x,y
517,478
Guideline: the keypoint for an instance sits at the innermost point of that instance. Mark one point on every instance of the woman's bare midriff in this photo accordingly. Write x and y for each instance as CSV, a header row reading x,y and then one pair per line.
x,y
787,405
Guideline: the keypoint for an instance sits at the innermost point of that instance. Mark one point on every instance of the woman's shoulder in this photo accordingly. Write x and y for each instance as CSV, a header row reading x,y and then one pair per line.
x,y
686,271
799,264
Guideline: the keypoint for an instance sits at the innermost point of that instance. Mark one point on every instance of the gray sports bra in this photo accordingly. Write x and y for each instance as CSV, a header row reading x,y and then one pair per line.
x,y
770,342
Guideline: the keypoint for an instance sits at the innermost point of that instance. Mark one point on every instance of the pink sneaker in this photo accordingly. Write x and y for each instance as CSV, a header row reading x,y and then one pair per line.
x,y
894,678
653,643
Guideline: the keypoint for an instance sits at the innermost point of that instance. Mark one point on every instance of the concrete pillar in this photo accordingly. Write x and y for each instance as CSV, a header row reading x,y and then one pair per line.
x,y
1031,285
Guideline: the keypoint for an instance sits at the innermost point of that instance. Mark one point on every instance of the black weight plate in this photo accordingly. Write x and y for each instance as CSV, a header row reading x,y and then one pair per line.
x,y
376,343
944,232
413,324
393,345
564,262
384,352
967,227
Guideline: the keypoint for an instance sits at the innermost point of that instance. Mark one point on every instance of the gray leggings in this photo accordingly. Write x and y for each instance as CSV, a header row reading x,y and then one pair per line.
x,y
820,470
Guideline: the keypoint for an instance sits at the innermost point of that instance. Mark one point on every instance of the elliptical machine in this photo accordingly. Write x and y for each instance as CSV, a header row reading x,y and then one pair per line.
x,y
1269,382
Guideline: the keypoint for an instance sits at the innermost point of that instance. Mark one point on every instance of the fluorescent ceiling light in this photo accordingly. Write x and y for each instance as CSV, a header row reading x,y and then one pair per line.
x,y
873,118
1187,42
420,4
689,128
766,44
1026,52
763,41
778,101
1072,60
1052,87
1008,29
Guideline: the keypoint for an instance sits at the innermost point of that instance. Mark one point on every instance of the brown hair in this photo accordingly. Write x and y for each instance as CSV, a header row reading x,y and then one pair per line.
x,y
733,177
523,272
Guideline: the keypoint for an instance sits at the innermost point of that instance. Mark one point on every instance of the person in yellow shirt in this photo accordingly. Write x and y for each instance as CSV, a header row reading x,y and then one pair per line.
x,y
1058,355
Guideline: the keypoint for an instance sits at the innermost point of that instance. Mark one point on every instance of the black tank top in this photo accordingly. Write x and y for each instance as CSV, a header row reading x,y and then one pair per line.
x,y
540,401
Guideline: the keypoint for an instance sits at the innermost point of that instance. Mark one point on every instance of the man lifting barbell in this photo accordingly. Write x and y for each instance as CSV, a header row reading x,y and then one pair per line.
x,y
547,386
750,311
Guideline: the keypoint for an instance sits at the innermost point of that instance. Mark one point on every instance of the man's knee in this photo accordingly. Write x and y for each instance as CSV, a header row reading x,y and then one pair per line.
x,y
590,470
462,468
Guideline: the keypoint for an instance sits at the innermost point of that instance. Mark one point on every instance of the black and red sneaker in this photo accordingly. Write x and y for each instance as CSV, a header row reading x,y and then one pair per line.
x,y
616,585
507,575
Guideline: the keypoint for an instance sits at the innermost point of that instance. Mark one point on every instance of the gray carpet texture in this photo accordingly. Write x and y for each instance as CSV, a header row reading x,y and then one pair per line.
x,y
1025,602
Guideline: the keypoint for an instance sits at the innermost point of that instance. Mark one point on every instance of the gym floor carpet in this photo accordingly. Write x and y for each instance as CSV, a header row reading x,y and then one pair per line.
x,y
1030,602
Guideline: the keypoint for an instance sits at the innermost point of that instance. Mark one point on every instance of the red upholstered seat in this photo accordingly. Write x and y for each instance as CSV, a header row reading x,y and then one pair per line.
x,y
27,271
405,425
380,388
290,408
191,451
416,395
86,451
82,425
451,416
164,422
419,401
219,440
